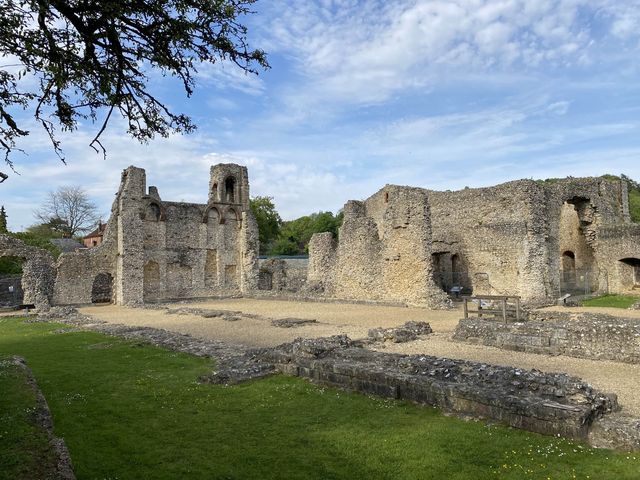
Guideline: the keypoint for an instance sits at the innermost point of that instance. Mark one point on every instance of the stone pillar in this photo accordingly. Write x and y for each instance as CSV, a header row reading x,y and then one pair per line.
x,y
130,261
249,245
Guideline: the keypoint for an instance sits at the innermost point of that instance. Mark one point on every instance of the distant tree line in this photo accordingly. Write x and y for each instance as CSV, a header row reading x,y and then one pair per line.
x,y
278,237
634,198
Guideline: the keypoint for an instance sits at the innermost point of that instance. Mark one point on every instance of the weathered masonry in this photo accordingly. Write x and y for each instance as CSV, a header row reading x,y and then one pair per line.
x,y
538,240
158,250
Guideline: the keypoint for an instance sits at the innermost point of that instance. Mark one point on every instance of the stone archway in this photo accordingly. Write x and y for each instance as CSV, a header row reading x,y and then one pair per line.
x,y
102,288
630,277
38,271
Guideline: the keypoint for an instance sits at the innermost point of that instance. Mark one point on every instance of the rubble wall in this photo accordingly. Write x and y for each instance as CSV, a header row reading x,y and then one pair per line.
x,y
552,404
38,271
587,335
156,250
383,252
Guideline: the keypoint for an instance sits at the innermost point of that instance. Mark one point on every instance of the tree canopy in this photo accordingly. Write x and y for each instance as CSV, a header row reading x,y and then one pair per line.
x,y
3,220
295,235
67,212
87,59
268,219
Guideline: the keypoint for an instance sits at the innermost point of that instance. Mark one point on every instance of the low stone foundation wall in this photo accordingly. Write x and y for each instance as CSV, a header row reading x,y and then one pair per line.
x,y
584,335
552,404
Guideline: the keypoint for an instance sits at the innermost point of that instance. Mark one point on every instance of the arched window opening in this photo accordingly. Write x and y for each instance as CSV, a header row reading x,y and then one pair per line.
x,y
230,190
152,213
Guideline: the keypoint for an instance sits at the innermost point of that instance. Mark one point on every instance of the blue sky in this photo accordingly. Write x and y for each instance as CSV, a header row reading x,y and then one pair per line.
x,y
438,94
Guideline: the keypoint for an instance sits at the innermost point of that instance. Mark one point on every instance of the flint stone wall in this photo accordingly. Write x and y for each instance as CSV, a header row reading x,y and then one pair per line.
x,y
155,250
509,238
409,244
552,404
383,253
585,335
281,275
38,271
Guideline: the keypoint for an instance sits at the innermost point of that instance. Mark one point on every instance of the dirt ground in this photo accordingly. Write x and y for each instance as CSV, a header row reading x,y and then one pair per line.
x,y
355,321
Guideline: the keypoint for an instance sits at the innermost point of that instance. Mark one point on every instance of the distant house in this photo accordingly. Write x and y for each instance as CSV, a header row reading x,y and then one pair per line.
x,y
95,238
67,244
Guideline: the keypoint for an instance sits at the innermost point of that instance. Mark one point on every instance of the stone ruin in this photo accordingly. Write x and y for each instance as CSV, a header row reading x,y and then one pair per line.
x,y
38,271
532,239
157,250
402,245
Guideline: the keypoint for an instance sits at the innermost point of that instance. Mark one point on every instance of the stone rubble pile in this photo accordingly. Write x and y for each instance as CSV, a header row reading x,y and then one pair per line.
x,y
406,333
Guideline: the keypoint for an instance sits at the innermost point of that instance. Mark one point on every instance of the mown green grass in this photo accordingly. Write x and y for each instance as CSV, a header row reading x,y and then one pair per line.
x,y
131,411
24,448
616,301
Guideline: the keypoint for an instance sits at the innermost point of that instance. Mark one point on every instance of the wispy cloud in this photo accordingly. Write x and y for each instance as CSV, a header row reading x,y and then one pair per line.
x,y
441,94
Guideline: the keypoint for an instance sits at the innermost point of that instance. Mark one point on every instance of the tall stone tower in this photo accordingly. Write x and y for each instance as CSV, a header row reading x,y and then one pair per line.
x,y
229,184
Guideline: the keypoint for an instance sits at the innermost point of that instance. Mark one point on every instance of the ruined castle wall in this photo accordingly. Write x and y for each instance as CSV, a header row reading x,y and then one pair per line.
x,y
322,254
383,252
618,251
596,202
199,250
155,250
38,271
510,239
495,235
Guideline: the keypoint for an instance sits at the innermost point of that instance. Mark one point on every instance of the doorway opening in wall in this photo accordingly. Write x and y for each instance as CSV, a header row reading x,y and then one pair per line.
x,y
102,288
569,268
450,275
631,272
577,281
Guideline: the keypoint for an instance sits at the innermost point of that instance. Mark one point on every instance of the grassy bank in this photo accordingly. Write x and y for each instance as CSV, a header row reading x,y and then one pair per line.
x,y
615,301
132,411
24,450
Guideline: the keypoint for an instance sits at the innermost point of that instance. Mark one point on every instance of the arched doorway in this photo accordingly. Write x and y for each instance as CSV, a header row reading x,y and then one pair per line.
x,y
102,288
568,269
630,277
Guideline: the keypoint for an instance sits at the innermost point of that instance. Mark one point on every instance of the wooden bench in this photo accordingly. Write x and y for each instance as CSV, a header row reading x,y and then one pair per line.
x,y
505,309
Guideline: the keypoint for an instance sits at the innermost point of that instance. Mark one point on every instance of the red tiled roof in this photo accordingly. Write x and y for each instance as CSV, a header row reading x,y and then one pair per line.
x,y
98,232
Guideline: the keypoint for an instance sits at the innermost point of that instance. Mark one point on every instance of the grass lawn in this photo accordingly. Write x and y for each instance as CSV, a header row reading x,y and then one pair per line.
x,y
617,301
24,449
131,411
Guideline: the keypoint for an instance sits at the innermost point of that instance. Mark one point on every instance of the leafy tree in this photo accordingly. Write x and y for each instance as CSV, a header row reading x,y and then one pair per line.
x,y
10,266
295,235
88,58
634,195
3,220
634,198
268,219
68,211
38,241
55,228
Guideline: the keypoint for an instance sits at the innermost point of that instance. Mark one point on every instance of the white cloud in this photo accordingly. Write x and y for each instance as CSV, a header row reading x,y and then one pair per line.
x,y
365,52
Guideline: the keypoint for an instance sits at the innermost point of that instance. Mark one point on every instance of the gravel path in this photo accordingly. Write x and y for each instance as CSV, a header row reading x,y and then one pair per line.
x,y
355,321
332,319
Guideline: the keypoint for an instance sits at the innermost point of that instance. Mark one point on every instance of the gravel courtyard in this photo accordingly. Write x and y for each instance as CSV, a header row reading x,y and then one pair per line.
x,y
252,327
